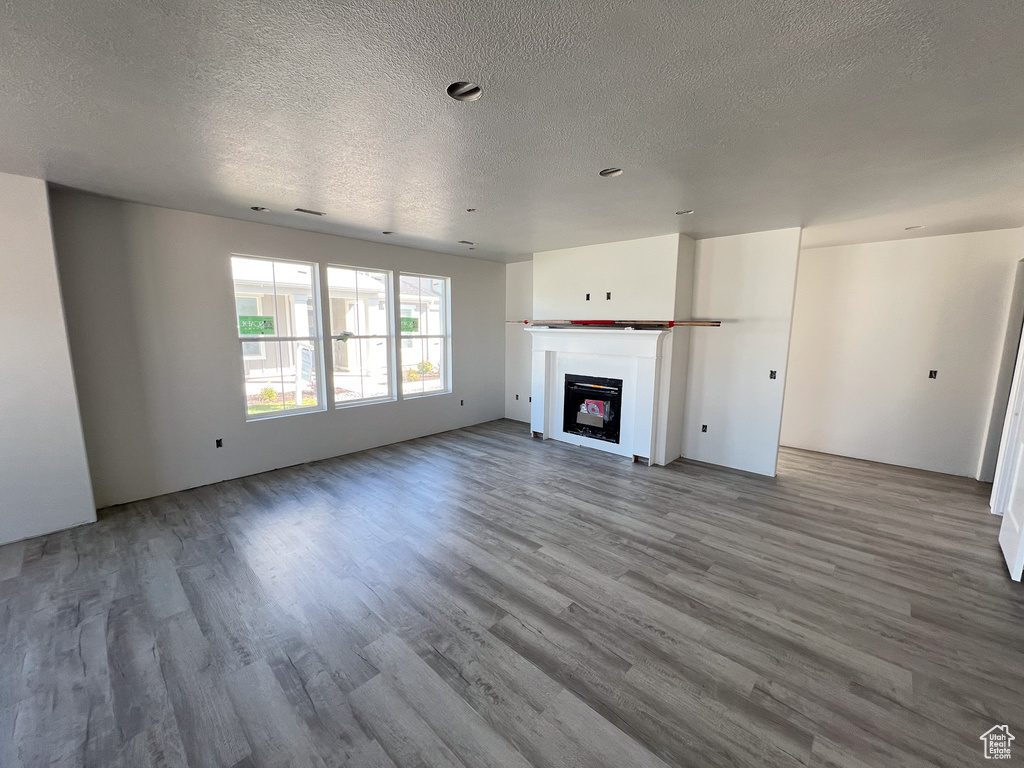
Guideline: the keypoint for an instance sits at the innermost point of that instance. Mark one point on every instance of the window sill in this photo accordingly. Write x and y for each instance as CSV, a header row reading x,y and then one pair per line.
x,y
284,414
418,395
339,406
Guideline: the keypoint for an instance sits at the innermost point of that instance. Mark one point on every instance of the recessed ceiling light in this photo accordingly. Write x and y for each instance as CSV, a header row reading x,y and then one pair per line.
x,y
466,242
387,232
609,173
916,226
687,212
310,212
463,91
259,209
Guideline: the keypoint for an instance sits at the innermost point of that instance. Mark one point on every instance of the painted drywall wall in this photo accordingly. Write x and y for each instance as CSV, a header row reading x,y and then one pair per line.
x,y
518,357
148,296
1004,378
639,274
872,320
747,282
44,479
675,403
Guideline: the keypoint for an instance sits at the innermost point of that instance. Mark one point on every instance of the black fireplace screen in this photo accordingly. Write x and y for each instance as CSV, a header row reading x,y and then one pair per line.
x,y
592,407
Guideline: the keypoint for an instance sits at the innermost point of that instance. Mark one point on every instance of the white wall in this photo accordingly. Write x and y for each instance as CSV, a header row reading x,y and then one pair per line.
x,y
640,274
872,320
518,356
148,296
747,281
675,406
44,479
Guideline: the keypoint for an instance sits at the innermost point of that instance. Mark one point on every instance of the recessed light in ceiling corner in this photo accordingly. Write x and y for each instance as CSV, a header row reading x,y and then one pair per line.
x,y
687,212
916,226
259,209
310,212
611,173
465,91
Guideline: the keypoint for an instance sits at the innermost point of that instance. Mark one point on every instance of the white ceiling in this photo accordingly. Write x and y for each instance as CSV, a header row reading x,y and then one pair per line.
x,y
853,118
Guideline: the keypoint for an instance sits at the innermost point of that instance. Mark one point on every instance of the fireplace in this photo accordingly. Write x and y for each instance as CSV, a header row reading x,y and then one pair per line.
x,y
639,363
592,407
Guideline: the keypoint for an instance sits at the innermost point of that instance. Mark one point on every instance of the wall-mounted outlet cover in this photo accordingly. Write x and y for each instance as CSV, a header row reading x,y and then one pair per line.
x,y
608,296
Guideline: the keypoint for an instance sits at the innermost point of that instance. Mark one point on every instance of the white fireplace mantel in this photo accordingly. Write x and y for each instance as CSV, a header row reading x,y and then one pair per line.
x,y
641,358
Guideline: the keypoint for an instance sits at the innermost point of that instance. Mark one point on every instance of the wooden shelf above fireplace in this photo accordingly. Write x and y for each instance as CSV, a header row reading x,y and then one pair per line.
x,y
620,324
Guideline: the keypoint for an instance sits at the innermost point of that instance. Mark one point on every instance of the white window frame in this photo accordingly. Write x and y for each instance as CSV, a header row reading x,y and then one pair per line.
x,y
389,338
446,337
317,340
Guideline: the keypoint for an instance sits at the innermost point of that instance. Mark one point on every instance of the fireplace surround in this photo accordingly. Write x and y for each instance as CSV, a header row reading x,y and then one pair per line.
x,y
650,412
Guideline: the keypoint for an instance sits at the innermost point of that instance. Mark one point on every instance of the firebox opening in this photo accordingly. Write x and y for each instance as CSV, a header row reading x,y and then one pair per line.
x,y
592,407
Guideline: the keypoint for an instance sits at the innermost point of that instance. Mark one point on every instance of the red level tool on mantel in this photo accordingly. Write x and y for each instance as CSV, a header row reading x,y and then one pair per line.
x,y
624,323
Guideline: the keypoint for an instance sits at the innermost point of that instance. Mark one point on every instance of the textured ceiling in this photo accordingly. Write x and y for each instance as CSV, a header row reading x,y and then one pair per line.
x,y
852,118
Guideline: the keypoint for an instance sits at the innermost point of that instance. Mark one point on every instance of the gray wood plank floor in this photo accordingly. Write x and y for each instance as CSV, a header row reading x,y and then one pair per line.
x,y
480,598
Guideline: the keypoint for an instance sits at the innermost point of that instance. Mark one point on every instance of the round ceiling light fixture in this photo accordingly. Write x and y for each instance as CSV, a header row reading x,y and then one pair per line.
x,y
687,212
611,173
464,91
916,226
259,209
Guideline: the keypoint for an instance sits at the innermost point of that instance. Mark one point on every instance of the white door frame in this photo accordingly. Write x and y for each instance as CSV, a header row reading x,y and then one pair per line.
x,y
1008,490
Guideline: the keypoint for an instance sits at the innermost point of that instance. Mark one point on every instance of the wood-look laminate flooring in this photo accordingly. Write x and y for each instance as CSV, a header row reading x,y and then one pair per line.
x,y
481,598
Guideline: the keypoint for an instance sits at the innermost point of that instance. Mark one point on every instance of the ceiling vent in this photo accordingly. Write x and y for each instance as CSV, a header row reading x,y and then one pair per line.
x,y
310,212
462,91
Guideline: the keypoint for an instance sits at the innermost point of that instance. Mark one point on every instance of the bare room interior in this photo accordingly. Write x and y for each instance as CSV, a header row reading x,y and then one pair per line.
x,y
447,385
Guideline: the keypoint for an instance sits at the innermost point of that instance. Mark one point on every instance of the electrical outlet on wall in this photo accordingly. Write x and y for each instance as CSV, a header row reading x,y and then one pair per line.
x,y
771,374
933,374
220,442
703,427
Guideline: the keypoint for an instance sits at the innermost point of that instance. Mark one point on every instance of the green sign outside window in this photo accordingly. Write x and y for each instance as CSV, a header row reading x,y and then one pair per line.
x,y
255,325
410,325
